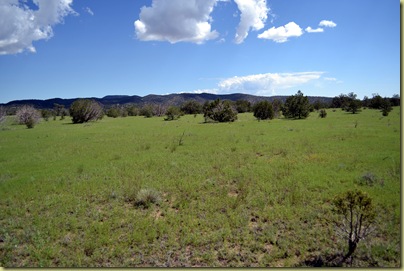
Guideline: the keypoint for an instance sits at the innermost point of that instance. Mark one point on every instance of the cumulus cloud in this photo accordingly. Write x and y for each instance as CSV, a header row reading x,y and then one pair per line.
x,y
327,23
317,30
176,20
253,15
267,83
283,33
21,25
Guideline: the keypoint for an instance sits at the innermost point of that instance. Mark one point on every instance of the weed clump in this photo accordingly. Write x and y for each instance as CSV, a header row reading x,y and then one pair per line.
x,y
369,179
146,197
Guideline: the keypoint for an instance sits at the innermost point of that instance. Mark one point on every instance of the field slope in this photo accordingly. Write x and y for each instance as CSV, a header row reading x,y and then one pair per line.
x,y
242,194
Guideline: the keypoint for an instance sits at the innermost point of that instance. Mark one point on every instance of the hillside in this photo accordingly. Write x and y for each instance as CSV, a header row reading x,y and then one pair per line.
x,y
170,99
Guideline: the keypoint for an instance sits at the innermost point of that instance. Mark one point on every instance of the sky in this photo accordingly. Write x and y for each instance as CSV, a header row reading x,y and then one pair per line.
x,y
93,48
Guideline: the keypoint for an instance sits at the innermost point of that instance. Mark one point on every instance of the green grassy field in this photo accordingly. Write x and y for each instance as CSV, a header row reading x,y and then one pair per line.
x,y
241,194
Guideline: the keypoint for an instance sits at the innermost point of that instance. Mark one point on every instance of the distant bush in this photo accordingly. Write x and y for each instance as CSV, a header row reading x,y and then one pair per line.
x,y
173,113
146,197
220,111
243,106
323,113
263,110
28,115
113,112
3,113
296,106
84,110
191,107
46,114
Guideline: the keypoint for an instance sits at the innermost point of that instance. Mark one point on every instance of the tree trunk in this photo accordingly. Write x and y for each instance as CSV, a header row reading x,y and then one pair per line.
x,y
352,246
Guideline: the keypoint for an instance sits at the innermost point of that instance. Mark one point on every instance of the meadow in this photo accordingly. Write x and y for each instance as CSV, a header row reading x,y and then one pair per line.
x,y
248,193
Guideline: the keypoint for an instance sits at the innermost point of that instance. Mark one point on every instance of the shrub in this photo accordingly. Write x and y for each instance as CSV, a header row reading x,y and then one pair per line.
x,y
173,113
28,115
84,110
113,112
356,216
191,107
323,113
220,111
146,197
296,106
263,110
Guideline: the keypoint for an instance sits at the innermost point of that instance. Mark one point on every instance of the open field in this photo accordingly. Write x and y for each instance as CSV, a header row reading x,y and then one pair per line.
x,y
246,193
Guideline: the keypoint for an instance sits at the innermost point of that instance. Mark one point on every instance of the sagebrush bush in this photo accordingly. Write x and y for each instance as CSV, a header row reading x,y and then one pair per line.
x,y
85,110
146,197
28,115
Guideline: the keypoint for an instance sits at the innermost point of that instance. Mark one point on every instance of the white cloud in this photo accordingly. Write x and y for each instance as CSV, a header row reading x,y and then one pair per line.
x,y
282,33
317,30
267,83
89,11
20,25
176,20
254,13
327,23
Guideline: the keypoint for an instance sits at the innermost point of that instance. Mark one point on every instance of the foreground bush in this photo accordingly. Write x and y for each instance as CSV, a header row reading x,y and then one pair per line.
x,y
84,110
28,115
356,218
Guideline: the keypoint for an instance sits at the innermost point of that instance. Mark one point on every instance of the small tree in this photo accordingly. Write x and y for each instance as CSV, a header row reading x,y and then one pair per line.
x,y
296,106
386,107
84,110
28,115
263,110
173,113
221,111
356,216
323,113
353,104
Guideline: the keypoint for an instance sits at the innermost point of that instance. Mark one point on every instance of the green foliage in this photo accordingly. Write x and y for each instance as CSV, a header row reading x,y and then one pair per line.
x,y
386,107
46,114
356,217
147,111
191,107
28,116
263,110
323,113
353,104
296,106
85,110
220,111
173,113
113,112
243,106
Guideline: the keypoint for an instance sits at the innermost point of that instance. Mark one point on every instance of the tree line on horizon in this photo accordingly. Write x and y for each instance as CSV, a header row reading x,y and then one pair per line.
x,y
295,106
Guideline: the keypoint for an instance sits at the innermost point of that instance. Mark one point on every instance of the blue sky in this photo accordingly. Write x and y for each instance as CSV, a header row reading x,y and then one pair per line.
x,y
93,48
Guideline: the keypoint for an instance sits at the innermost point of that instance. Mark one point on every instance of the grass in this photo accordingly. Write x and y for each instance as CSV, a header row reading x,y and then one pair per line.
x,y
238,194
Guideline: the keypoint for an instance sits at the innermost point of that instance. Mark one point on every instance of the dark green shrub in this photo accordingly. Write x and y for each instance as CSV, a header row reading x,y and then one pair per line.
x,y
84,110
263,110
323,113
191,107
296,106
113,112
220,111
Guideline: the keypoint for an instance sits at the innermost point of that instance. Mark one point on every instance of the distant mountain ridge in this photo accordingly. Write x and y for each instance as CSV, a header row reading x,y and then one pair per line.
x,y
169,99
